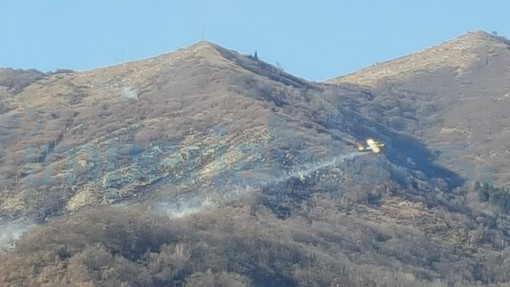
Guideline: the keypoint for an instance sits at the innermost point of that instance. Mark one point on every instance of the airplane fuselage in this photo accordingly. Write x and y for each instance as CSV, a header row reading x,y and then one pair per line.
x,y
371,145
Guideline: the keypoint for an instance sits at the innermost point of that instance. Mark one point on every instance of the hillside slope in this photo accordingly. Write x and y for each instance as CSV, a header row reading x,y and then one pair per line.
x,y
454,97
187,119
205,166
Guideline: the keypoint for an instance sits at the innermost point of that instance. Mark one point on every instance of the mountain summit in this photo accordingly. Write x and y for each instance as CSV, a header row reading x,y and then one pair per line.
x,y
206,167
454,97
468,51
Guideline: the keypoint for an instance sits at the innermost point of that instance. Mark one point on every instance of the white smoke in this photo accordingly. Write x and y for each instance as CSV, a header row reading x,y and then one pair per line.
x,y
176,210
130,93
307,169
10,232
198,202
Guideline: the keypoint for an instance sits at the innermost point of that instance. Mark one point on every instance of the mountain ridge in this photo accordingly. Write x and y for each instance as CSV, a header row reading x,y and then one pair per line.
x,y
443,104
206,165
457,52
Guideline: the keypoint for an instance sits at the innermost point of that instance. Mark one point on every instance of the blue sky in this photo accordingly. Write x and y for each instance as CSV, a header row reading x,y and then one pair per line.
x,y
315,40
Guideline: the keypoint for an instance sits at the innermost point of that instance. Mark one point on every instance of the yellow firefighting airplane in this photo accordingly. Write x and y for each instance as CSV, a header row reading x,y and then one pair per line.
x,y
372,145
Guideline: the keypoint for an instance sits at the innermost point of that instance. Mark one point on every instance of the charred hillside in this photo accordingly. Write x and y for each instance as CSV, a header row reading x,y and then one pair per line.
x,y
206,166
453,97
201,118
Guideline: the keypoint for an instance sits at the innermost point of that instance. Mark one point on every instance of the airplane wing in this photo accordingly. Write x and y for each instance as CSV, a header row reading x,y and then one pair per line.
x,y
375,146
372,145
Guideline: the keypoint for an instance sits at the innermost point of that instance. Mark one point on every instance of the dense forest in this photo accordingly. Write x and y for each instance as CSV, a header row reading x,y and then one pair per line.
x,y
328,243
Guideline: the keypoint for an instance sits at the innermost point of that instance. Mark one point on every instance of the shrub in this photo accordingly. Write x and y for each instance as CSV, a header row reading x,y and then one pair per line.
x,y
497,196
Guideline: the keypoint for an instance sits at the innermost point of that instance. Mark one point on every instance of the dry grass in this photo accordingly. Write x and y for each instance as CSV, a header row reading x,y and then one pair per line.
x,y
453,97
142,129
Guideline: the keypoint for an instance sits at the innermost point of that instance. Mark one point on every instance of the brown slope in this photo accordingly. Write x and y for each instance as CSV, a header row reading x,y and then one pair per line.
x,y
102,135
208,122
454,96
